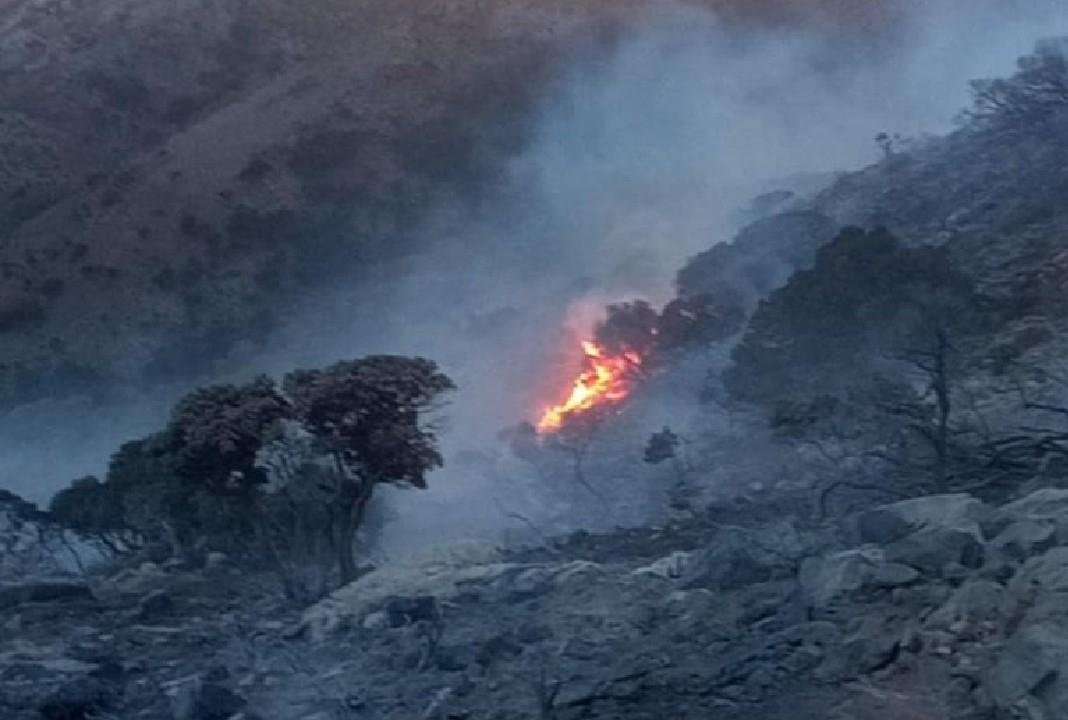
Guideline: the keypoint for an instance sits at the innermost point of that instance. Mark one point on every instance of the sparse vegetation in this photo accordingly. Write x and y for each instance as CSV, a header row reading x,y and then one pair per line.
x,y
94,510
1035,93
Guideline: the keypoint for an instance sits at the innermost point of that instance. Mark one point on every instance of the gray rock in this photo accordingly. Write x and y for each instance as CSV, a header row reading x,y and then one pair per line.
x,y
442,571
729,570
214,561
739,558
201,700
1048,572
137,581
956,574
1039,588
994,526
931,549
974,602
376,621
525,584
849,575
958,512
1048,503
997,568
874,644
1026,538
156,604
497,648
671,567
882,526
817,633
1031,676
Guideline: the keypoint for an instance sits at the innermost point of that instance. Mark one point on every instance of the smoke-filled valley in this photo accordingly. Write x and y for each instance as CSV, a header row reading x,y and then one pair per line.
x,y
534,360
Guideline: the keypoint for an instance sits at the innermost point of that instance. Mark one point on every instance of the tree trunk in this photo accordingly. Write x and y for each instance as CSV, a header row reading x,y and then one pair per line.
x,y
345,554
578,466
174,540
354,506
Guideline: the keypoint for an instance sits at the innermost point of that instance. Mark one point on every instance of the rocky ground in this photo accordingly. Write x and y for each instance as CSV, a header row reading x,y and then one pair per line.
x,y
935,607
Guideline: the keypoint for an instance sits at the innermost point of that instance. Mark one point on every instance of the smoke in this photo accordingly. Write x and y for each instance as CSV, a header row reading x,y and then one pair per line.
x,y
637,157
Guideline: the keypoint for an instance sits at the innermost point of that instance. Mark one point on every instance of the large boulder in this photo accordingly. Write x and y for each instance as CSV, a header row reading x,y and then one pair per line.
x,y
671,567
1047,507
889,523
143,579
1048,571
738,557
441,573
41,676
934,548
851,575
1030,679
871,644
1048,503
1023,539
30,544
972,604
881,526
1039,590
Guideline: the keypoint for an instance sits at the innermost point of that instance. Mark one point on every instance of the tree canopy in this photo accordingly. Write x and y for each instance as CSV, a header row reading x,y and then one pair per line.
x,y
204,482
867,301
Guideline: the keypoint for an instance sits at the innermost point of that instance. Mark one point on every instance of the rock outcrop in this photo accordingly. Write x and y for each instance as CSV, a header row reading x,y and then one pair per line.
x,y
941,606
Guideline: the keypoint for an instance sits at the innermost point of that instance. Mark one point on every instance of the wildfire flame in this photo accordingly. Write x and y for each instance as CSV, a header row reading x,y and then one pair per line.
x,y
605,380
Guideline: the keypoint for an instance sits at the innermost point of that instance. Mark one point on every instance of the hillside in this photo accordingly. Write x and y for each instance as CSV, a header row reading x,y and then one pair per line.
x,y
172,174
827,479
205,193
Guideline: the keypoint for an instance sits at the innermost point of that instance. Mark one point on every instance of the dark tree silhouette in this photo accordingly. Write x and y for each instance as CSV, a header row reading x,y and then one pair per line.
x,y
1038,89
628,327
662,446
95,511
867,299
215,433
867,348
367,416
254,470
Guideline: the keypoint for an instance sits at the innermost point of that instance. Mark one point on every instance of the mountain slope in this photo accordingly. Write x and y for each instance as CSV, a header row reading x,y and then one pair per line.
x,y
171,173
166,168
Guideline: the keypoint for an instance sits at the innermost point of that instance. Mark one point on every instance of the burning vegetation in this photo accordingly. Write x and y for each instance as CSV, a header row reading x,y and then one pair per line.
x,y
632,338
605,381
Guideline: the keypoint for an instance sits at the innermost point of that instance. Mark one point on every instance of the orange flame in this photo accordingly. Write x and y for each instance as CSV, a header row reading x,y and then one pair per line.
x,y
606,380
